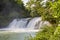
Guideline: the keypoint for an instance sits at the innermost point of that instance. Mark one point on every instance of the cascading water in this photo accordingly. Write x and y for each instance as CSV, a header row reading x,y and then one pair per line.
x,y
25,24
13,23
34,23
19,23
18,29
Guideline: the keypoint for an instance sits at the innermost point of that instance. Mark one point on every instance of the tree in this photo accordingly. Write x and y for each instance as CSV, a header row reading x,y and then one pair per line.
x,y
50,11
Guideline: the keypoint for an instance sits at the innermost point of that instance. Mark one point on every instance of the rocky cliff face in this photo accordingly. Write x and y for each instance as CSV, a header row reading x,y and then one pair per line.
x,y
9,11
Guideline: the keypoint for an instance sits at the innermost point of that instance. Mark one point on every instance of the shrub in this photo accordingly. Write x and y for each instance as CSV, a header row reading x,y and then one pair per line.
x,y
48,33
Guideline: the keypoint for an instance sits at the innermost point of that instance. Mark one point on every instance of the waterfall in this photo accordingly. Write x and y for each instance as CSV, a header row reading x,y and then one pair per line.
x,y
34,23
26,24
18,23
13,23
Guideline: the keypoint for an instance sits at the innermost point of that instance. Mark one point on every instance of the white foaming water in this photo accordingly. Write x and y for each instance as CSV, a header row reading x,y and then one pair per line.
x,y
18,29
13,23
25,25
34,23
18,23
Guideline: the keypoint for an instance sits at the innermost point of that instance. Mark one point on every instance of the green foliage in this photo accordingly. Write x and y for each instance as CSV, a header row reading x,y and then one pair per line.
x,y
19,1
48,33
50,10
56,35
